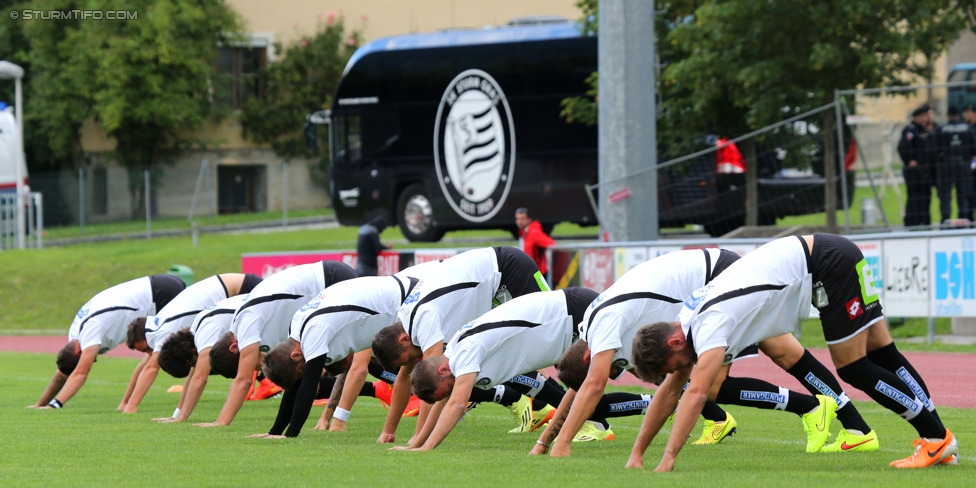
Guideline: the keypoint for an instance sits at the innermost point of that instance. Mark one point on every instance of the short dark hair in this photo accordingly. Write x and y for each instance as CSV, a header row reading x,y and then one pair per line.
x,y
523,210
178,354
68,357
572,369
136,332
424,380
386,345
952,111
278,366
651,351
222,360
969,108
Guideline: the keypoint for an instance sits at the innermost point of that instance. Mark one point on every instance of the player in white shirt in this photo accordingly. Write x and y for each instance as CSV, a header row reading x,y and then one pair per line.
x,y
99,326
652,292
147,334
466,286
263,321
186,353
763,296
333,332
525,334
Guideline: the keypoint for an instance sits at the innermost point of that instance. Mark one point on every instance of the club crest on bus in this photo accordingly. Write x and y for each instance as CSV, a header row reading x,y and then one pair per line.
x,y
474,145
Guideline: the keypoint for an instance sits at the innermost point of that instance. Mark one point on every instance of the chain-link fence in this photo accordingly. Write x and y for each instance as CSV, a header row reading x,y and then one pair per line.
x,y
197,187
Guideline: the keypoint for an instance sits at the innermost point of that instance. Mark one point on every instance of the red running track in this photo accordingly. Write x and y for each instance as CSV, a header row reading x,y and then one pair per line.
x,y
948,375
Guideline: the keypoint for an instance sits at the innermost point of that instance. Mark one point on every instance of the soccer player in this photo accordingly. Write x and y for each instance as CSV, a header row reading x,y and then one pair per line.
x,y
527,333
337,324
764,295
147,334
262,321
466,286
99,326
186,353
651,292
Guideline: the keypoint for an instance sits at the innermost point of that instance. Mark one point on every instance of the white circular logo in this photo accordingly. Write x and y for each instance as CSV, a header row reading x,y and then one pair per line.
x,y
474,145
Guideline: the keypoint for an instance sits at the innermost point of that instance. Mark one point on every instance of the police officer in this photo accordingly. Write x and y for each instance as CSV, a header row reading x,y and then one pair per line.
x,y
917,148
969,115
956,149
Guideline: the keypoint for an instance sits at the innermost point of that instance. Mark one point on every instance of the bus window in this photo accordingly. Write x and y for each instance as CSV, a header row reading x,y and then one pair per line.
x,y
347,139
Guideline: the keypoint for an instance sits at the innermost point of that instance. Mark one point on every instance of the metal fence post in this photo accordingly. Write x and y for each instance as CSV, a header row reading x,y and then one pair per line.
x,y
81,200
148,208
284,194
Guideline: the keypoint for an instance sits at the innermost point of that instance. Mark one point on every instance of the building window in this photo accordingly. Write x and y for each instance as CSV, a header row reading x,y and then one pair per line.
x,y
237,75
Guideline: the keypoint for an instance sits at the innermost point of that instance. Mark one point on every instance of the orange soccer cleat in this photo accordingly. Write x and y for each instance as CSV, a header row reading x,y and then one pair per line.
x,y
265,389
928,453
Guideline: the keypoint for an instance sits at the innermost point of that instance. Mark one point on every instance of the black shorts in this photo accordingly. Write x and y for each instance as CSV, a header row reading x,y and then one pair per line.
x,y
725,259
520,274
250,281
842,288
164,288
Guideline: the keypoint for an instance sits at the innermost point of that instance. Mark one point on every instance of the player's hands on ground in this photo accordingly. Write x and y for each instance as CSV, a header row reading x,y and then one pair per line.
x,y
121,406
538,449
321,425
165,420
132,409
400,448
635,463
258,436
559,451
386,438
32,405
337,426
208,424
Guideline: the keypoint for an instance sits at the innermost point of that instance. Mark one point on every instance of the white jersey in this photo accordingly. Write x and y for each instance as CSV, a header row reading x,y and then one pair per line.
x,y
344,318
653,291
765,294
522,335
180,312
104,320
211,324
449,296
265,317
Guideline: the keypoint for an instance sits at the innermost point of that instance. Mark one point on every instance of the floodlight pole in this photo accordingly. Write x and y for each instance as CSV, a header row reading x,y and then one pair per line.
x,y
10,70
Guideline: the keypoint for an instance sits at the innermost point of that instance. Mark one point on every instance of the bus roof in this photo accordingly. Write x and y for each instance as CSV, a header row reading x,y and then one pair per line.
x,y
468,37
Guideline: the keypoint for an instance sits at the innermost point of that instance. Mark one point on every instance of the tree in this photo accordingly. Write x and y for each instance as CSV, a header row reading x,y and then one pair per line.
x,y
142,80
300,83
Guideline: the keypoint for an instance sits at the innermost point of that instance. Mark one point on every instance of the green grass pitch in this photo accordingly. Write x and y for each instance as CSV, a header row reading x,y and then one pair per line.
x,y
88,443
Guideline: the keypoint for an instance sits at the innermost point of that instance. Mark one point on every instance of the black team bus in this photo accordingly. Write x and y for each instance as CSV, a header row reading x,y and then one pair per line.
x,y
457,129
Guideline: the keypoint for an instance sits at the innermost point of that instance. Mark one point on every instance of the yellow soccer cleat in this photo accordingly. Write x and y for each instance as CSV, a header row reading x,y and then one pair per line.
x,y
593,431
817,423
847,442
715,432
522,412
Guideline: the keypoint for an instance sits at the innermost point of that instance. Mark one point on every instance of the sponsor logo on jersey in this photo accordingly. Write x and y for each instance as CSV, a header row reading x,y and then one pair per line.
x,y
264,348
412,298
854,308
83,312
310,305
697,296
525,380
474,145
484,382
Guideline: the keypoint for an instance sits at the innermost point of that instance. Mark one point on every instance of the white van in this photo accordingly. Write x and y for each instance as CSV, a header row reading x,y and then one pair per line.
x,y
9,149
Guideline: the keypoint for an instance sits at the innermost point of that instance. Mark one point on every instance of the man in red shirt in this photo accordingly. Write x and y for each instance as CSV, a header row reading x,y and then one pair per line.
x,y
532,239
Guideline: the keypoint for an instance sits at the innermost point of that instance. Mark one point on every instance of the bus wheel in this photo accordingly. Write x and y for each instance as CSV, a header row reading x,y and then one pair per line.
x,y
415,215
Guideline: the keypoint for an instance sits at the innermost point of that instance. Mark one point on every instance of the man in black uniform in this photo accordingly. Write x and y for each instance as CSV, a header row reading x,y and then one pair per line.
x,y
368,246
956,145
917,148
969,115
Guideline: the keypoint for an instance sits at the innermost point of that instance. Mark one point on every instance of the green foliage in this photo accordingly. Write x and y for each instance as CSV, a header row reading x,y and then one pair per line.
x,y
88,443
299,83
